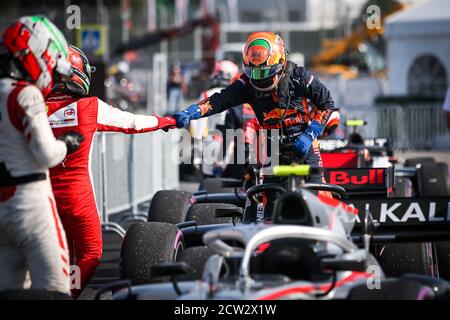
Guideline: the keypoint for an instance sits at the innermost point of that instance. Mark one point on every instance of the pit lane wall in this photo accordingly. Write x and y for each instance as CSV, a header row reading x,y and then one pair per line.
x,y
128,170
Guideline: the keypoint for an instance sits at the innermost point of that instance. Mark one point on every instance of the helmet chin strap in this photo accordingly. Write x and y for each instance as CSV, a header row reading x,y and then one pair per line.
x,y
273,86
270,88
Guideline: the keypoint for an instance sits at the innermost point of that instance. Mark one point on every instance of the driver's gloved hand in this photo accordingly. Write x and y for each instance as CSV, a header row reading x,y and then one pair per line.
x,y
218,171
305,140
184,117
303,143
72,140
166,123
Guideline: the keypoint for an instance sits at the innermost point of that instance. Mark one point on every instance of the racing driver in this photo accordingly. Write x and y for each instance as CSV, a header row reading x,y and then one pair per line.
x,y
70,108
280,93
32,239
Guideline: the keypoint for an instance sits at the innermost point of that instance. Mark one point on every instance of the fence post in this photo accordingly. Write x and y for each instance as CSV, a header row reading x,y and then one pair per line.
x,y
159,83
131,184
104,177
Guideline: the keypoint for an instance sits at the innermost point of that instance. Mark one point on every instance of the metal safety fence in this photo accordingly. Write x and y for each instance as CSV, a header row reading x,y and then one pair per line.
x,y
409,126
128,170
414,126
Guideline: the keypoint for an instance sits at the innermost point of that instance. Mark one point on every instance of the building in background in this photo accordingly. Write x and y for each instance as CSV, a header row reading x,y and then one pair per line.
x,y
418,50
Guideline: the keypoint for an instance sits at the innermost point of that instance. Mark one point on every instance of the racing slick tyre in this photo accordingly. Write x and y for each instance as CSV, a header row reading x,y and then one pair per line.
x,y
169,206
412,162
400,258
432,179
195,258
443,258
205,213
147,244
403,187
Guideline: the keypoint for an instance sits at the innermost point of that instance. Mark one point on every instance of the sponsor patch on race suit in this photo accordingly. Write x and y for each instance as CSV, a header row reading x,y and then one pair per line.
x,y
64,117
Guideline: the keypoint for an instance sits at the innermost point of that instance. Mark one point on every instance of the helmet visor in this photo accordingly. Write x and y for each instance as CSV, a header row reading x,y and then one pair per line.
x,y
262,72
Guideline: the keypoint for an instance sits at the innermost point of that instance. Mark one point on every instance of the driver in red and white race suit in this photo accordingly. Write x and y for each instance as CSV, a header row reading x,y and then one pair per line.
x,y
70,108
32,238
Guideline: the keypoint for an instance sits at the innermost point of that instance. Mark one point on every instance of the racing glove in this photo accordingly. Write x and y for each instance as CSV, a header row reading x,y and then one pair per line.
x,y
166,123
218,170
184,117
72,140
304,141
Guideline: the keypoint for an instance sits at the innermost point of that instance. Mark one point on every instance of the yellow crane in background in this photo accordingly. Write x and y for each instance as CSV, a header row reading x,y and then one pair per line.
x,y
324,62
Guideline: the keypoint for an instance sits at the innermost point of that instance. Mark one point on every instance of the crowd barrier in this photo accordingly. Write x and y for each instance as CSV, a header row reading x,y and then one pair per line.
x,y
128,170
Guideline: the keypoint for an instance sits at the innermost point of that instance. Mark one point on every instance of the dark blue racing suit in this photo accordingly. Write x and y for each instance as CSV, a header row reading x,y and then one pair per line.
x,y
299,99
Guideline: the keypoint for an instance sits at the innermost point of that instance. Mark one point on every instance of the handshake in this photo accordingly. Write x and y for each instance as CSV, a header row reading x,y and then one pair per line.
x,y
180,119
183,118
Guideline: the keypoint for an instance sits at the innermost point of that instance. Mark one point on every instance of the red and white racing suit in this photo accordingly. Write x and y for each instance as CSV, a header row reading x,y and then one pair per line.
x,y
72,180
31,235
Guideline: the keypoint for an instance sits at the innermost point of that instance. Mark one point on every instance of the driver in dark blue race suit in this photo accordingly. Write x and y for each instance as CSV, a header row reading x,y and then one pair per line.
x,y
280,93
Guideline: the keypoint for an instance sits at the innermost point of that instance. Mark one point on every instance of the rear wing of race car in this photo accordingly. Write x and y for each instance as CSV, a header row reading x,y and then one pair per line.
x,y
404,219
362,182
377,142
396,219
333,144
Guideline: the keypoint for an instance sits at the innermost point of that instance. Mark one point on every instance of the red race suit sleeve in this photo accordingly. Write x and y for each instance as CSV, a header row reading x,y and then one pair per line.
x,y
114,119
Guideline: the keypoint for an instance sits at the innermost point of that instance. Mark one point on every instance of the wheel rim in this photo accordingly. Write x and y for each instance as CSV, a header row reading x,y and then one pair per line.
x,y
179,248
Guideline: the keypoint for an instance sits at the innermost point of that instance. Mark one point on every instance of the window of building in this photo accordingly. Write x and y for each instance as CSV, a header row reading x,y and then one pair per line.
x,y
427,77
